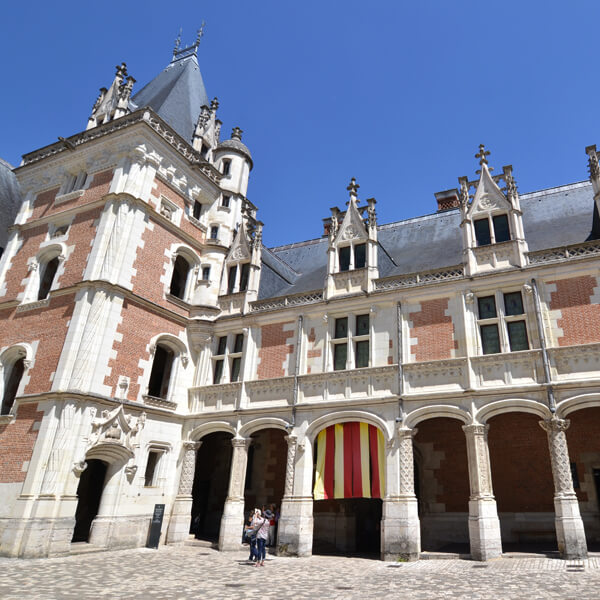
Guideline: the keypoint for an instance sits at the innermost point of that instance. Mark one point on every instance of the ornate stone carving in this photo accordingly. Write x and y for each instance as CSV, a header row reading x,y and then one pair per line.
x,y
188,467
559,455
407,466
292,442
238,467
479,461
79,467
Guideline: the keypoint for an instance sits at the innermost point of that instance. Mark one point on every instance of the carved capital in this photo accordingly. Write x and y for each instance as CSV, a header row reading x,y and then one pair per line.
x,y
191,446
554,424
406,432
469,297
240,442
476,429
79,467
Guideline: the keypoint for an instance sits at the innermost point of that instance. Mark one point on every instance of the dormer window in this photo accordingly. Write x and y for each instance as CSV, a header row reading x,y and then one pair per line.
x,y
226,167
244,273
352,257
492,230
231,277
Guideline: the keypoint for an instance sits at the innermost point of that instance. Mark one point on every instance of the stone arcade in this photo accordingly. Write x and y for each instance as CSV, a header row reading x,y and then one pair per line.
x,y
154,351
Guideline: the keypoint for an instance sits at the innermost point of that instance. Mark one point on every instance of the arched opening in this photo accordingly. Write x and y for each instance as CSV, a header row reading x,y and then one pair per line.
x,y
47,277
89,494
442,485
160,376
349,483
211,483
584,453
522,482
181,270
265,473
12,379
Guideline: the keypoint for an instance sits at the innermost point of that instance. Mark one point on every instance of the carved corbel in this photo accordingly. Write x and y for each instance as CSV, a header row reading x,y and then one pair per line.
x,y
79,467
469,297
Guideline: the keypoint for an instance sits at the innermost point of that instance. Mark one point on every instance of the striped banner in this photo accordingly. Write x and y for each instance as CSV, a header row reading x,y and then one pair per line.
x,y
350,462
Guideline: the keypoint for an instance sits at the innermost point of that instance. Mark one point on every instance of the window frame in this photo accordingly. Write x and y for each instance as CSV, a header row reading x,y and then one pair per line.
x,y
350,340
502,320
492,228
230,356
352,245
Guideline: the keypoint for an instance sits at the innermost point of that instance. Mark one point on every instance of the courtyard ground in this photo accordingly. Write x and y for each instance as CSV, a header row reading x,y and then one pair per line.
x,y
193,572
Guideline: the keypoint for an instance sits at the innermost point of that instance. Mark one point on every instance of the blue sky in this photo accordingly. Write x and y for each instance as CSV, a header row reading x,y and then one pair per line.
x,y
396,94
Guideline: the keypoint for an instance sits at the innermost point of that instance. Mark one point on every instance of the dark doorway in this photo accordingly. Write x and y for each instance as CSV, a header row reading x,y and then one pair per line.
x,y
89,492
211,483
348,526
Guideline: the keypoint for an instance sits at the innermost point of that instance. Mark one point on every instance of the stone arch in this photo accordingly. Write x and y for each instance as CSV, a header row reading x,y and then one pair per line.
x,y
513,405
213,426
437,410
344,416
263,423
566,407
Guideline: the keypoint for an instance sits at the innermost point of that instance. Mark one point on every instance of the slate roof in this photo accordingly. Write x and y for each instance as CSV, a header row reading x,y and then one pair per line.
x,y
553,217
176,95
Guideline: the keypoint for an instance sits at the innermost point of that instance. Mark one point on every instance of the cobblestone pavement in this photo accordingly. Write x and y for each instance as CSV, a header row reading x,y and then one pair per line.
x,y
187,572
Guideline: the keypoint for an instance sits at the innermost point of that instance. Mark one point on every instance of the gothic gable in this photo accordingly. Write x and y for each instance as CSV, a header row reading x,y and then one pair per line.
x,y
488,196
240,248
352,227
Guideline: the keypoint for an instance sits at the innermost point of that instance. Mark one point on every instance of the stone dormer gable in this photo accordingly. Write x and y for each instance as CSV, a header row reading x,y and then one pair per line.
x,y
114,102
492,222
352,228
488,196
240,248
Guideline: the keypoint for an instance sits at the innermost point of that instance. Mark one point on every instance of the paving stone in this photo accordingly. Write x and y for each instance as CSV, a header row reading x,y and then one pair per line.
x,y
185,572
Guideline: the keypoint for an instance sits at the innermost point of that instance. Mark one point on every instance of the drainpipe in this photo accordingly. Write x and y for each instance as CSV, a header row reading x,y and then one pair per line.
x,y
545,360
297,367
400,380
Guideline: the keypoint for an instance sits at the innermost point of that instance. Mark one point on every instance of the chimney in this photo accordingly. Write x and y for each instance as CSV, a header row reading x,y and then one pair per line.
x,y
447,200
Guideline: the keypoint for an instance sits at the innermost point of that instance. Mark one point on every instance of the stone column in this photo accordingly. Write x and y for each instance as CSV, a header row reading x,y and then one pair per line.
x,y
232,522
484,526
294,536
400,526
569,525
181,514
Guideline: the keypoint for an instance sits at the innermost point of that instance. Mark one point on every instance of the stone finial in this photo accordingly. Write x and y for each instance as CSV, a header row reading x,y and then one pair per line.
x,y
511,186
214,104
482,155
371,213
593,162
353,188
236,134
464,191
177,43
200,33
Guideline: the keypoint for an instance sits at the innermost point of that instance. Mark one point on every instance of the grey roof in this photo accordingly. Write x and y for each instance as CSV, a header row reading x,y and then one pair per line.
x,y
10,200
232,144
554,217
176,95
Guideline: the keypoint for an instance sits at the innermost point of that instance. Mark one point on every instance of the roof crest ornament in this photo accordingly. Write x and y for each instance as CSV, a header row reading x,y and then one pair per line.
x,y
179,53
482,156
353,188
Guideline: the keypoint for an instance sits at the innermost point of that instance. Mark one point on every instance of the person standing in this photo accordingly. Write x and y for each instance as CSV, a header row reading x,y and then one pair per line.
x,y
251,531
262,536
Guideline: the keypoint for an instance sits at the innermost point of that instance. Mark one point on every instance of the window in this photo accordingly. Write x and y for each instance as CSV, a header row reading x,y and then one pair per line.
x,y
225,201
214,232
181,270
352,257
13,373
502,324
206,273
74,182
204,150
226,167
244,274
47,275
160,376
231,275
229,353
150,475
351,342
197,210
492,230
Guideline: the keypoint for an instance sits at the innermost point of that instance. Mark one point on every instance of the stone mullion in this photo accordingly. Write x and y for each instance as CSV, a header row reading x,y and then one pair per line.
x,y
570,533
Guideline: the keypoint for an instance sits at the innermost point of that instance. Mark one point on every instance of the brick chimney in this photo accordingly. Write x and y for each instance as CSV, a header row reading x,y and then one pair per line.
x,y
447,200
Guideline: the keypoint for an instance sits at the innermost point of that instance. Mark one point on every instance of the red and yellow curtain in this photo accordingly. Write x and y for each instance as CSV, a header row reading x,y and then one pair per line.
x,y
350,462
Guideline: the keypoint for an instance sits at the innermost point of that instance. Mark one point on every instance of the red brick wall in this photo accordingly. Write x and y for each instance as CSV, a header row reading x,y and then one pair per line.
x,y
521,473
99,186
16,443
274,350
160,188
49,326
583,439
433,331
138,327
580,320
150,265
452,475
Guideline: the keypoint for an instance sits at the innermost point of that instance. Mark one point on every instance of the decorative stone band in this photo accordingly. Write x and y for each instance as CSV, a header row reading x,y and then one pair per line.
x,y
188,467
565,253
559,456
292,442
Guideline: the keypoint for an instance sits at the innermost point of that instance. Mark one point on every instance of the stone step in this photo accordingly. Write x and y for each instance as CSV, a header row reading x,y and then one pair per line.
x,y
192,541
85,548
443,556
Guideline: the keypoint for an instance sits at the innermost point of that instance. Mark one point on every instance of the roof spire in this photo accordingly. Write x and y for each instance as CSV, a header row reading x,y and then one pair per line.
x,y
353,188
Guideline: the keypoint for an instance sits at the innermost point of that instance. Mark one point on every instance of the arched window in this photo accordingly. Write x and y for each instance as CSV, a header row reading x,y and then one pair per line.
x,y
181,271
13,373
162,367
47,275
